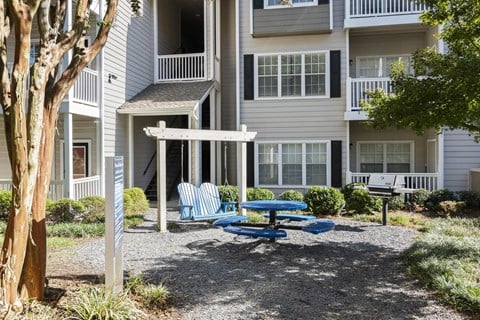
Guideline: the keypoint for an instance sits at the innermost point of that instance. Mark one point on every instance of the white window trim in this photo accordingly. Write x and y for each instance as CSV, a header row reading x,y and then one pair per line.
x,y
62,157
357,62
304,163
279,76
385,142
294,5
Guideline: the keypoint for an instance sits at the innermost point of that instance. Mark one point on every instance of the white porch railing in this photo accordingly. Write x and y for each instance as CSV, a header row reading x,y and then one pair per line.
x,y
428,181
374,8
85,89
82,188
359,86
85,187
181,67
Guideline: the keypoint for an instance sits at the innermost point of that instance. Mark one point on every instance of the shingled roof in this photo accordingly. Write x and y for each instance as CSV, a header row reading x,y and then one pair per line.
x,y
167,98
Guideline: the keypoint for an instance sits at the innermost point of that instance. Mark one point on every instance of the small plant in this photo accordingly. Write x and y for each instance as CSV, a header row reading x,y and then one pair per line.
x,y
94,209
324,200
98,303
432,203
418,199
228,193
5,202
451,208
259,194
360,201
292,195
134,202
134,283
65,210
397,203
470,198
155,295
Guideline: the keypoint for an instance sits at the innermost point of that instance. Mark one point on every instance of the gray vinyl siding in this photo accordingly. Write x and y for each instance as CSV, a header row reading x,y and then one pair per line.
x,y
299,119
461,153
128,56
289,21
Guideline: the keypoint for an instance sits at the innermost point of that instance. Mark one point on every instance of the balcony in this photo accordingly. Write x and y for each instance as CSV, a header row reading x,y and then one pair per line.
x,y
368,13
357,89
182,67
85,89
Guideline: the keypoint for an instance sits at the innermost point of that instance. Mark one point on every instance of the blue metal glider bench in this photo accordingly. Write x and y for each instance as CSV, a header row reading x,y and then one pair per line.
x,y
203,203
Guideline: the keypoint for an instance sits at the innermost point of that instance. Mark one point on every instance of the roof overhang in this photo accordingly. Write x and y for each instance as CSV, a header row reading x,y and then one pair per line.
x,y
168,99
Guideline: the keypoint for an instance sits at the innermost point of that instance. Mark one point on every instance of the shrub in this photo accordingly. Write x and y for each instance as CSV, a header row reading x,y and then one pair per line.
x,y
5,202
134,201
259,194
451,208
94,209
98,303
397,203
155,295
360,201
324,200
432,203
293,195
228,193
471,199
349,188
76,230
419,197
65,210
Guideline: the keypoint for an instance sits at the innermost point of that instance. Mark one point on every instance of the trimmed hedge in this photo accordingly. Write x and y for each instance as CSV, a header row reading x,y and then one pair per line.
x,y
259,194
134,202
293,195
324,200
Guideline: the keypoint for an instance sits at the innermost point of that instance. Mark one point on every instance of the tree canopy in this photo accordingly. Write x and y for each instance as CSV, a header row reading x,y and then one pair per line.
x,y
444,91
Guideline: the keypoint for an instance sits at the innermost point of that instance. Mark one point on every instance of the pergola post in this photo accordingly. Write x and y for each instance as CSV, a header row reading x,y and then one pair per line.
x,y
161,182
242,171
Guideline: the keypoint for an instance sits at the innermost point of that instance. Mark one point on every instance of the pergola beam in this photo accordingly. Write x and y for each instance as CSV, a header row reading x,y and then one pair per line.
x,y
162,133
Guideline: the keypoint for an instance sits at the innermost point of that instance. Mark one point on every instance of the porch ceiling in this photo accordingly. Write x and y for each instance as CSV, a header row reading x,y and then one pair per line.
x,y
167,98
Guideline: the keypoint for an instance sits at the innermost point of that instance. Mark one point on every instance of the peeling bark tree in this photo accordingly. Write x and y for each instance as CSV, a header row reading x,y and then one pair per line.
x,y
30,96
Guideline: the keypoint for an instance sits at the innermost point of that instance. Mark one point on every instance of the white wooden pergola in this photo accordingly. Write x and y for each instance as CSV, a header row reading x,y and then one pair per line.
x,y
162,133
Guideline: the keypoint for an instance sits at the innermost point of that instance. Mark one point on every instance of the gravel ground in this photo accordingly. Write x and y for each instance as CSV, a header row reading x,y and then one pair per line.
x,y
353,272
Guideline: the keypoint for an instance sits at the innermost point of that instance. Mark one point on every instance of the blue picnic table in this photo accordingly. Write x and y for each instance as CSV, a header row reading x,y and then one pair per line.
x,y
274,228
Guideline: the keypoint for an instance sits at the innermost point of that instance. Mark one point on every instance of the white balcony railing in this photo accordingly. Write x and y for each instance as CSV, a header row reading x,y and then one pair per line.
x,y
428,181
85,89
375,8
181,67
82,188
85,187
358,87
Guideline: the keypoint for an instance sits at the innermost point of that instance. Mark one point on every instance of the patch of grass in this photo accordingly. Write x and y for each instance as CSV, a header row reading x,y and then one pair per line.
x,y
60,242
132,220
395,218
155,295
76,230
446,258
98,303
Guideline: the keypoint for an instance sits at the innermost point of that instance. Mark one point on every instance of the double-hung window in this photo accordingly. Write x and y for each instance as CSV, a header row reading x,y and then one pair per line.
x,y
289,3
389,157
292,75
380,66
292,164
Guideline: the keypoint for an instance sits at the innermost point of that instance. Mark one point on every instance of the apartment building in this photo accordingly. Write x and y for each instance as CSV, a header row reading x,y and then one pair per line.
x,y
294,72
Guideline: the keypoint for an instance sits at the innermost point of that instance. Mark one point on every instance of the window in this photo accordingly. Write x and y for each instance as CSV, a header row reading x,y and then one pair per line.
x,y
291,75
386,157
289,3
292,164
380,66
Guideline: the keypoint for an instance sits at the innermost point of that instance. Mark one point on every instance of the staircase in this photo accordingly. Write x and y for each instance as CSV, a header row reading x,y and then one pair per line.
x,y
173,173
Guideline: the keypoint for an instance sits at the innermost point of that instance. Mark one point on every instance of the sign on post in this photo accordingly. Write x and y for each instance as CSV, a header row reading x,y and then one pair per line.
x,y
114,223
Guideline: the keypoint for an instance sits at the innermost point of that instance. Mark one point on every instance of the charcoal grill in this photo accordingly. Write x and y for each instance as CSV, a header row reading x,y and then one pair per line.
x,y
386,187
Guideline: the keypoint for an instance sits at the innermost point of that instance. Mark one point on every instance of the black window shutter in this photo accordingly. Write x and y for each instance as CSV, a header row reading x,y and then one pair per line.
x,y
323,2
248,90
257,4
250,164
336,163
335,75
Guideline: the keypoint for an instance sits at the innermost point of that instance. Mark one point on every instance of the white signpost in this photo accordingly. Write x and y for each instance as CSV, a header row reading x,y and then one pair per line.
x,y
114,224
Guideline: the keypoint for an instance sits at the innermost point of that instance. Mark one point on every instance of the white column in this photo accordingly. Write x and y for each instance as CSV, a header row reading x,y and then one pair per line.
x,y
441,161
131,150
68,156
101,105
213,163
155,41
242,170
161,182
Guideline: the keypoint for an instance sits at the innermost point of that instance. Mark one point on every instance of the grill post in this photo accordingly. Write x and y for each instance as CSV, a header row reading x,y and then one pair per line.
x,y
384,211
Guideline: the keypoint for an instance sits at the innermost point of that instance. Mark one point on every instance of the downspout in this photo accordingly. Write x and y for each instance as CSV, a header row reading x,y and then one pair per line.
x,y
155,41
237,63
101,105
